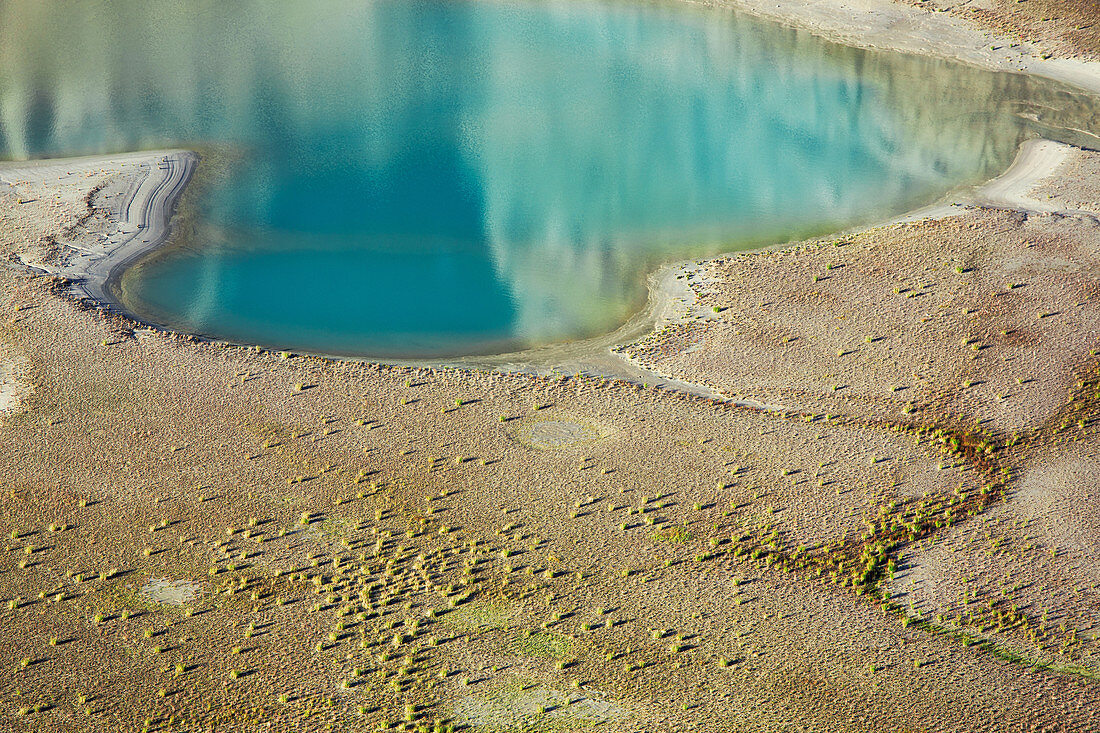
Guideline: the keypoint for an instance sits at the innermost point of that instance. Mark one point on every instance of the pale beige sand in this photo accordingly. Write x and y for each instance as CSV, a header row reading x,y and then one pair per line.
x,y
376,545
1037,162
135,440
13,390
1038,553
966,316
947,322
144,456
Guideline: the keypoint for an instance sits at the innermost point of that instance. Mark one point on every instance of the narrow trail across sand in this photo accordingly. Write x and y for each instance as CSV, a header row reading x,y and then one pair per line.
x,y
144,223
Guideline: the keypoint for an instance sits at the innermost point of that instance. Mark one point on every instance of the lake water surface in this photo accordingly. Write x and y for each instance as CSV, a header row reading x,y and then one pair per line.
x,y
437,178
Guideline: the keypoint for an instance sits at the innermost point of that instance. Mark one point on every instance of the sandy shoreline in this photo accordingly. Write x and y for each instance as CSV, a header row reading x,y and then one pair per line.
x,y
138,216
893,26
909,546
144,219
498,547
141,219
876,24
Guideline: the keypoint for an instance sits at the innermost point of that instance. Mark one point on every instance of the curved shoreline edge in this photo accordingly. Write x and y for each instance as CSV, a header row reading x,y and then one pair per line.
x,y
889,25
156,180
912,545
145,216
144,224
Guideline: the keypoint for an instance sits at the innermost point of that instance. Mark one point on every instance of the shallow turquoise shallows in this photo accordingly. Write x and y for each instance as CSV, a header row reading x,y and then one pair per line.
x,y
413,178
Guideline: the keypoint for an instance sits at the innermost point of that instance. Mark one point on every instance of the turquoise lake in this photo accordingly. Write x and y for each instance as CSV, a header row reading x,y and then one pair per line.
x,y
419,178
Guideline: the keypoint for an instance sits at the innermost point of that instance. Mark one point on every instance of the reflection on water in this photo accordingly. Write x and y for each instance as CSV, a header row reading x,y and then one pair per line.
x,y
425,177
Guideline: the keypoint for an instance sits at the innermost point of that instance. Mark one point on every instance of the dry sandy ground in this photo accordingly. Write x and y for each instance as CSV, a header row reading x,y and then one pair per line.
x,y
992,40
987,321
1068,28
362,539
13,389
203,537
960,319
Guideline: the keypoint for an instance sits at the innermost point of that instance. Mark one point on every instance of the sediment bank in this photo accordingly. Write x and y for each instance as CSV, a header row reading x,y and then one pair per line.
x,y
907,547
